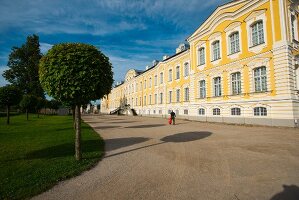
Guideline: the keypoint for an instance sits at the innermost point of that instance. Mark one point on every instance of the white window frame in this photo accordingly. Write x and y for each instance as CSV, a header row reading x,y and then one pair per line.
x,y
161,97
201,58
170,96
170,75
186,94
177,72
186,69
202,89
161,77
236,84
216,55
235,111
259,85
178,95
201,111
234,42
217,86
260,111
260,40
216,112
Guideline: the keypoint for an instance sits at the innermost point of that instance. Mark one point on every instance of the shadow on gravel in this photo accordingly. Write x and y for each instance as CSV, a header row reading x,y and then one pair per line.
x,y
123,122
117,143
105,127
290,192
176,138
186,136
64,150
146,126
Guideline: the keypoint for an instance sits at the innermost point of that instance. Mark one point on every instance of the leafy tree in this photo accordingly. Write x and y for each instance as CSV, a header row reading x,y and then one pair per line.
x,y
75,74
54,105
28,103
40,103
9,96
23,63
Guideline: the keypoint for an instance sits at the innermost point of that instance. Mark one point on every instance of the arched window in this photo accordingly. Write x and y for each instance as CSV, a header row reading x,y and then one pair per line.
x,y
234,44
235,111
257,33
201,56
216,50
260,111
201,111
260,79
216,111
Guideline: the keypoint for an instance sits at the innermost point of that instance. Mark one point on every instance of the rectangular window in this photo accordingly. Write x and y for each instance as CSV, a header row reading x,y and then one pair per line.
x,y
145,84
170,96
150,99
170,75
217,86
201,111
202,89
234,43
186,94
257,33
177,69
140,86
144,100
216,111
235,111
161,98
186,69
216,50
156,98
185,111
156,80
236,83
178,95
150,83
201,54
260,79
161,77
260,111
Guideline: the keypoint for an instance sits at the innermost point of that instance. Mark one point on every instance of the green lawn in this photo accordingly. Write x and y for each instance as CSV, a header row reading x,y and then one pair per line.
x,y
36,154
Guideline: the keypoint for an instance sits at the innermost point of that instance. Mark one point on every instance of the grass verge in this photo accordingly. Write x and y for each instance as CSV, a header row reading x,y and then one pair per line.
x,y
36,154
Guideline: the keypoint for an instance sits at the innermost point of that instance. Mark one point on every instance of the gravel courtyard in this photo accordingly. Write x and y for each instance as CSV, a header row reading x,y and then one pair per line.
x,y
148,159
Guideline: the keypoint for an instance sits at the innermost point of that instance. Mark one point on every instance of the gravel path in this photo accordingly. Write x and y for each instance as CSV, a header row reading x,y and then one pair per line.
x,y
148,159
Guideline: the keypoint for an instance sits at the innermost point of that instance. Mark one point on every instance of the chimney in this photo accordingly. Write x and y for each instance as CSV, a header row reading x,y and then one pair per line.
x,y
165,57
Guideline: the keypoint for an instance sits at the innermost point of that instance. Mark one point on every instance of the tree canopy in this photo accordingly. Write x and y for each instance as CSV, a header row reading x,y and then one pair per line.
x,y
23,67
76,73
9,96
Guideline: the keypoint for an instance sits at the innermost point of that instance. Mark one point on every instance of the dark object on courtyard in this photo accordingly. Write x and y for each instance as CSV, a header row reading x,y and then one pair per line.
x,y
290,192
172,115
186,136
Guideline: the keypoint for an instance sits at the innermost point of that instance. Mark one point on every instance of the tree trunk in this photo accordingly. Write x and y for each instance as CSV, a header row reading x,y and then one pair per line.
x,y
73,113
78,133
7,113
27,114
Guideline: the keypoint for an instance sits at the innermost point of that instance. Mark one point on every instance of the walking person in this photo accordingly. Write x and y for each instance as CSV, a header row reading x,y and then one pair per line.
x,y
172,115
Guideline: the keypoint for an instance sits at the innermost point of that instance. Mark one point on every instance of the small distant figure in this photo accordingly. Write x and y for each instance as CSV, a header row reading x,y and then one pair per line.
x,y
172,115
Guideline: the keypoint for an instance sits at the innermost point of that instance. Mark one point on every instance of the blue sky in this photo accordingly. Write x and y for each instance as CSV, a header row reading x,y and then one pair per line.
x,y
131,33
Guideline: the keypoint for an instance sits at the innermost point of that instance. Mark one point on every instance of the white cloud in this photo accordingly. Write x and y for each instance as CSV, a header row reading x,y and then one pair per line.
x,y
44,47
2,80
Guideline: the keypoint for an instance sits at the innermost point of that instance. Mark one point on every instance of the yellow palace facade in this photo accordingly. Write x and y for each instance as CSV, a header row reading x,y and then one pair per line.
x,y
240,66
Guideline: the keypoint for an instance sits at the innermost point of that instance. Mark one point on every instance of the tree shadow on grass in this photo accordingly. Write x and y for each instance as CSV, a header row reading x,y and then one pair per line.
x,y
65,150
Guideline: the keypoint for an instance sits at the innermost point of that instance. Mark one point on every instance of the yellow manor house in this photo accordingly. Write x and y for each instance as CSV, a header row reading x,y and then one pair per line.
x,y
240,66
